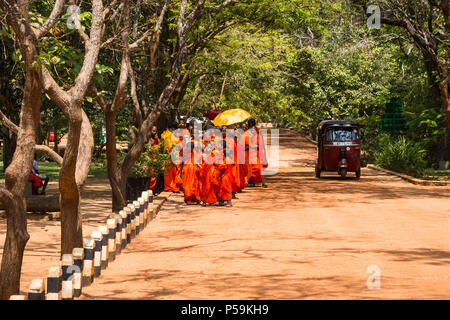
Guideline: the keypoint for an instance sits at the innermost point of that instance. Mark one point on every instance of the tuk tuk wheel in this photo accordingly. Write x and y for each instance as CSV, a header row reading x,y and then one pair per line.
x,y
343,172
317,173
358,173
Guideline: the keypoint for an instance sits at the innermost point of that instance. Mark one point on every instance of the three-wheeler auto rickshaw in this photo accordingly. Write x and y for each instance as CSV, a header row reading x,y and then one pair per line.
x,y
339,147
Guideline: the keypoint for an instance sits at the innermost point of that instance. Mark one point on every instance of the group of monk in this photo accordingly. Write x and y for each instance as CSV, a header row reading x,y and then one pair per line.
x,y
212,169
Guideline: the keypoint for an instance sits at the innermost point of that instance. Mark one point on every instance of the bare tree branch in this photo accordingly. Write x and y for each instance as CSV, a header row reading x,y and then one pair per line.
x,y
135,45
50,153
218,7
4,119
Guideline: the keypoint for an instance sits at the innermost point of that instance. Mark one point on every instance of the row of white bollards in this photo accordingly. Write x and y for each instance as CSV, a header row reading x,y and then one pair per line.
x,y
83,265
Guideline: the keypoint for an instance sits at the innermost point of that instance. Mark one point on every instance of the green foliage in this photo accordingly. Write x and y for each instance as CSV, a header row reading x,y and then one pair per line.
x,y
402,155
152,162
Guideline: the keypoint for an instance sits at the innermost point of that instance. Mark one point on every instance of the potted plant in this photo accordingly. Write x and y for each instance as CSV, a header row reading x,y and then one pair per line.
x,y
152,162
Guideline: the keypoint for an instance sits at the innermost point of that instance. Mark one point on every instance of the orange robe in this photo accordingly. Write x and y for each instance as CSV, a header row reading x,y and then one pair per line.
x,y
243,149
179,180
243,175
242,161
236,181
257,146
225,180
191,188
209,181
172,180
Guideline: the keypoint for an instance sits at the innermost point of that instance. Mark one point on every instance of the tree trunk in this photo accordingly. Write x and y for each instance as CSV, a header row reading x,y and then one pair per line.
x,y
118,192
9,147
73,174
443,149
17,174
71,229
433,72
15,242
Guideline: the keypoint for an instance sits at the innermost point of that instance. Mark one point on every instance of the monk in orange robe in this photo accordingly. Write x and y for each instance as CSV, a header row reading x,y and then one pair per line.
x,y
190,175
230,143
172,180
244,155
209,179
240,159
154,142
257,154
184,135
225,193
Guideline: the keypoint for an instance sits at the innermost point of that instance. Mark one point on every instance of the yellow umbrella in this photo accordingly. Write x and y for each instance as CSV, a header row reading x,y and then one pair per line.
x,y
169,138
231,116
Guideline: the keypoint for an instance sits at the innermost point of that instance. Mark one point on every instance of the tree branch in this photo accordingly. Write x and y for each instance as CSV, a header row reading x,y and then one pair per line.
x,y
7,199
50,153
100,100
52,19
135,45
218,7
6,122
92,48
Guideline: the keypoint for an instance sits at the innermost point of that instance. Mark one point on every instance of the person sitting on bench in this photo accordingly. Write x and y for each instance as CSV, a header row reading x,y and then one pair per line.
x,y
37,179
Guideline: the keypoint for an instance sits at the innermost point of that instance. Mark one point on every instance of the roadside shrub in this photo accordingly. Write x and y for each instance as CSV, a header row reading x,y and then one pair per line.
x,y
402,155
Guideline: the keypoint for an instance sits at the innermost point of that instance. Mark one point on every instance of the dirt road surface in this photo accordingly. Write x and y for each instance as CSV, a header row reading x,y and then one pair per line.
x,y
301,238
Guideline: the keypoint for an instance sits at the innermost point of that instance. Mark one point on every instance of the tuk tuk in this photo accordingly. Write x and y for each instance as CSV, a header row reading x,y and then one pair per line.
x,y
339,147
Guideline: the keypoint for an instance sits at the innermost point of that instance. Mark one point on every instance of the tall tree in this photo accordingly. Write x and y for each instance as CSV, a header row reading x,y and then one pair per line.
x,y
186,21
80,143
16,176
428,24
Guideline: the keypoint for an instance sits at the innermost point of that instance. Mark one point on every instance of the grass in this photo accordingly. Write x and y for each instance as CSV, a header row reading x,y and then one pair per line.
x,y
51,169
440,175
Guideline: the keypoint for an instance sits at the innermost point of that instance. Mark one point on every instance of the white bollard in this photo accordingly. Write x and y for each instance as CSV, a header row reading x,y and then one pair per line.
x,y
88,266
111,223
97,237
67,277
150,204
118,218
105,252
128,212
137,213
145,199
37,289
142,214
123,214
133,220
78,257
54,284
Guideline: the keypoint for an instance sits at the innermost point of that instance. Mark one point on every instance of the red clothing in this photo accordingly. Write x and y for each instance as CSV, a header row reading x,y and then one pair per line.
x,y
37,182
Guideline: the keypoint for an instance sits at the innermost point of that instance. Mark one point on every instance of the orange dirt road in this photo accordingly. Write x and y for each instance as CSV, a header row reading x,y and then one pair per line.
x,y
301,238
